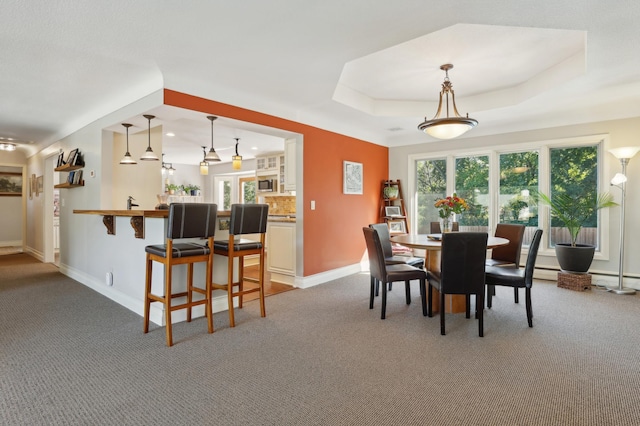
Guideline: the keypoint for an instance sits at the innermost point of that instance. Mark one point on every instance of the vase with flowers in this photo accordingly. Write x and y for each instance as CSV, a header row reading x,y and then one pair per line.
x,y
447,207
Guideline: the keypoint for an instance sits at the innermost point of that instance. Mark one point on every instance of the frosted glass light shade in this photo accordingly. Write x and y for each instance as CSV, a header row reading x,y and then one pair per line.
x,y
625,152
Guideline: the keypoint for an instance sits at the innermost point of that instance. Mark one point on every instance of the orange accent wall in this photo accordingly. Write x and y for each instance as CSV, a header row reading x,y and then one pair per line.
x,y
333,231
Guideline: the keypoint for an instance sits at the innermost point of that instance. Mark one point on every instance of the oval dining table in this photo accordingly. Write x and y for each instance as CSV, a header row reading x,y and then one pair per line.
x,y
430,243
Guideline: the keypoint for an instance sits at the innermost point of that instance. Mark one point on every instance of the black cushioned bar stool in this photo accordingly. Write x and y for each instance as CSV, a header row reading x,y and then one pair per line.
x,y
186,220
245,219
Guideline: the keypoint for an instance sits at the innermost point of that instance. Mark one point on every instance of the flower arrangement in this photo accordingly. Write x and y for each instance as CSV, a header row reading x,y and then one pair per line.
x,y
449,205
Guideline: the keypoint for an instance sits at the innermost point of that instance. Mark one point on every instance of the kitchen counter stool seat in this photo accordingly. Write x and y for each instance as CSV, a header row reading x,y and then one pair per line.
x,y
245,219
186,220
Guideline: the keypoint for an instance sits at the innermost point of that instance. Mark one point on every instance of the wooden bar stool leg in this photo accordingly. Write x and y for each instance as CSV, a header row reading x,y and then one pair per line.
x,y
240,280
167,304
263,311
189,290
209,290
147,291
230,291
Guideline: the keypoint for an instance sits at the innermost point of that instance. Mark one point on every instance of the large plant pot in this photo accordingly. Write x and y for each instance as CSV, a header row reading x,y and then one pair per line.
x,y
575,260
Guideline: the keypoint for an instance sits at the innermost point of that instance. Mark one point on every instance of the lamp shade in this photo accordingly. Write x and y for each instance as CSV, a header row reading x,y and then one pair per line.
x,y
618,179
204,168
625,152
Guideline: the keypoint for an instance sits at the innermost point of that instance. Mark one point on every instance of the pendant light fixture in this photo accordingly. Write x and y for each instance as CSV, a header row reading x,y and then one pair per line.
x,y
236,159
167,167
204,166
148,154
127,159
444,126
212,155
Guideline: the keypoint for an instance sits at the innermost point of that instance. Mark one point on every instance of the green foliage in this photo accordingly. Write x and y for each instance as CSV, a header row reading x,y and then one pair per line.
x,y
573,211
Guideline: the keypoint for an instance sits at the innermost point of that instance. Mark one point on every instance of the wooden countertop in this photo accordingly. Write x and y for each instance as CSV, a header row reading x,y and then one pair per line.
x,y
137,213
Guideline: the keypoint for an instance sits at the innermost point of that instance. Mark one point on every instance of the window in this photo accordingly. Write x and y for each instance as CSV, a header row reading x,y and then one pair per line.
x,y
575,171
500,183
223,193
431,184
472,184
518,182
247,190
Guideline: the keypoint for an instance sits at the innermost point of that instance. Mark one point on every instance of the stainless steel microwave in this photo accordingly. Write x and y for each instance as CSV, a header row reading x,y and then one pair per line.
x,y
266,185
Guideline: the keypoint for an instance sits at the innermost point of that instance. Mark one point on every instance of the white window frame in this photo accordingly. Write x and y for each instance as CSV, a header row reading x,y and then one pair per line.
x,y
543,147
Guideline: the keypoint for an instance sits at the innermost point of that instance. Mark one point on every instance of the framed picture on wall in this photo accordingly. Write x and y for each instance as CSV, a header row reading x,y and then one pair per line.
x,y
352,177
39,185
72,157
11,184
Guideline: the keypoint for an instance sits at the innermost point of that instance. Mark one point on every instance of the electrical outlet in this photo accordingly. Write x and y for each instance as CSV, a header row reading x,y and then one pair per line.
x,y
313,204
109,279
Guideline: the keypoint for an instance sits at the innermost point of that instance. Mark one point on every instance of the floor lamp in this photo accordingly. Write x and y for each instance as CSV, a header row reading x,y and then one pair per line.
x,y
619,180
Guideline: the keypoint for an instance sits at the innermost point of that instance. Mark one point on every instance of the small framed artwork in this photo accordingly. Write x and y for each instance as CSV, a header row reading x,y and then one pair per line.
x,y
397,227
71,157
60,159
32,185
392,211
39,185
11,184
352,177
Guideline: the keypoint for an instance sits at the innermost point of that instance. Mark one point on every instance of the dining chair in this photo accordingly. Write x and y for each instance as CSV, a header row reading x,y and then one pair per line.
x,y
508,255
435,227
245,219
462,271
381,272
387,249
516,278
186,220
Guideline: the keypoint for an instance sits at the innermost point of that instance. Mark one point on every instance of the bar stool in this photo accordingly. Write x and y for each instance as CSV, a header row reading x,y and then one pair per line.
x,y
186,220
245,219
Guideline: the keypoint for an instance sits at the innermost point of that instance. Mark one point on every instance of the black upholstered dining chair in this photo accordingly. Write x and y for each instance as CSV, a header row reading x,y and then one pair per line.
x,y
462,270
186,220
381,272
245,219
387,250
435,227
508,256
516,278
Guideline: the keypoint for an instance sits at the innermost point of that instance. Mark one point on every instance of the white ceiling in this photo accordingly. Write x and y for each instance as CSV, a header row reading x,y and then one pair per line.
x,y
67,63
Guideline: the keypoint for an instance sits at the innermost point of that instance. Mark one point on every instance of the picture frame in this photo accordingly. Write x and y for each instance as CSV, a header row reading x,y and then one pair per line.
x,y
39,185
352,178
60,159
10,184
397,227
71,157
392,211
32,186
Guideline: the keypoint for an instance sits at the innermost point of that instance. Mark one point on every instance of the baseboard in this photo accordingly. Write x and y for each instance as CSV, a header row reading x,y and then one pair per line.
x,y
325,277
15,243
598,278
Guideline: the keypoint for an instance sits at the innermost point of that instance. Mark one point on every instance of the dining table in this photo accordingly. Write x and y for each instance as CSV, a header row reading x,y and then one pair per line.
x,y
431,244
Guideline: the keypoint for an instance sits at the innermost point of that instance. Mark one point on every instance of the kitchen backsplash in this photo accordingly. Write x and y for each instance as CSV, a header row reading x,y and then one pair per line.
x,y
281,204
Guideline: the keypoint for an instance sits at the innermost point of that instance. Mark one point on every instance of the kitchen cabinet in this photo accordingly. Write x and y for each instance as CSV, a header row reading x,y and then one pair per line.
x,y
281,251
290,165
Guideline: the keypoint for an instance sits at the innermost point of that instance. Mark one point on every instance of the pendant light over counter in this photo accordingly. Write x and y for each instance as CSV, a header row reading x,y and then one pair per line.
x,y
236,159
212,155
149,154
127,159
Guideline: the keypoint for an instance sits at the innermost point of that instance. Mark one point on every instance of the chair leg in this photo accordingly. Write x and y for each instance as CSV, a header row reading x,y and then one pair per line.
x,y
390,286
423,296
167,303
377,287
467,307
515,294
240,280
480,312
527,296
372,291
442,313
407,291
384,301
263,311
490,292
230,291
147,290
430,302
209,290
189,290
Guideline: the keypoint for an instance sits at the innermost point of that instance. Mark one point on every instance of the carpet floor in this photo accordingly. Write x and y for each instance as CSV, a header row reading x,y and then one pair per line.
x,y
70,356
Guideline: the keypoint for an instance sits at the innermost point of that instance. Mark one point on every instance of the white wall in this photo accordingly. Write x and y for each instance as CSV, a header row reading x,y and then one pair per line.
x,y
621,133
11,211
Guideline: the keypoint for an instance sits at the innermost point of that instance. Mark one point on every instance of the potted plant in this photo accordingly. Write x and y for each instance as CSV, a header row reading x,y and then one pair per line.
x,y
573,211
172,188
191,189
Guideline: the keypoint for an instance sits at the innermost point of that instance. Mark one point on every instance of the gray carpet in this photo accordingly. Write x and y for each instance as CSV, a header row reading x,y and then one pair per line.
x,y
69,356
